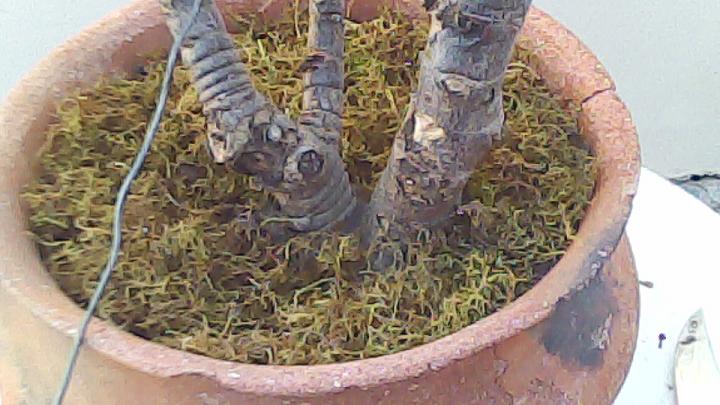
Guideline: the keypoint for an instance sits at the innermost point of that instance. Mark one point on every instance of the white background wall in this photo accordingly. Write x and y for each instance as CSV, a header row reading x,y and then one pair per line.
x,y
30,29
664,56
665,59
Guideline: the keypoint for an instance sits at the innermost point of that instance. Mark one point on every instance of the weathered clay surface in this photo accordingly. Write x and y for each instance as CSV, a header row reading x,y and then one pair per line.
x,y
575,78
519,355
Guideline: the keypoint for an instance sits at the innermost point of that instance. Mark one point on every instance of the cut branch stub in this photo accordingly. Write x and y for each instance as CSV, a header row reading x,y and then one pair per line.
x,y
455,113
299,164
326,187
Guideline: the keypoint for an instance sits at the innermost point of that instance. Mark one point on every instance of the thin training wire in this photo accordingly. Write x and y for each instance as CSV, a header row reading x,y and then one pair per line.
x,y
120,204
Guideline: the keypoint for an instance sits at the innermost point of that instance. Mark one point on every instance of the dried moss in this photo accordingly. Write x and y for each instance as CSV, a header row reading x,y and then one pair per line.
x,y
197,273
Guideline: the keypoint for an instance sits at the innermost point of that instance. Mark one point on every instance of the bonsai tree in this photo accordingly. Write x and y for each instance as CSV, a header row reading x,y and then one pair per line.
x,y
455,114
292,303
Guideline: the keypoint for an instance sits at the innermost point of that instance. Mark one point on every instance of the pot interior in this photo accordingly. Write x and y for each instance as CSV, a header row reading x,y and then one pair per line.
x,y
116,45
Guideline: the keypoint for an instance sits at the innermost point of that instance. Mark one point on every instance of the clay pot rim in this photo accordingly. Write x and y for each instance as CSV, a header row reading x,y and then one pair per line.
x,y
570,69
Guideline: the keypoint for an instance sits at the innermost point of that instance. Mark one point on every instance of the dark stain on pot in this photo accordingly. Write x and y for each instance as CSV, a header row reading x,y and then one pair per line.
x,y
577,331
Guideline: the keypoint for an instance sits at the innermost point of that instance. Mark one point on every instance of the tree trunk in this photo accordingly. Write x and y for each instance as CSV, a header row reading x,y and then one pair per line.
x,y
299,164
325,71
455,114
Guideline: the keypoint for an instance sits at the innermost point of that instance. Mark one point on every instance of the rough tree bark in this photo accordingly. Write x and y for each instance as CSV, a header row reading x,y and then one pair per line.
x,y
299,163
324,71
455,113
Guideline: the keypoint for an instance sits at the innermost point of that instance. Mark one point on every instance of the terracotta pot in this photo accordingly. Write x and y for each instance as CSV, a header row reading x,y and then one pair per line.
x,y
569,340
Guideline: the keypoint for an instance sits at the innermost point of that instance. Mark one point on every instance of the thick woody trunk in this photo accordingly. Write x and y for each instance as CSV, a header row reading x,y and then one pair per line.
x,y
455,114
299,163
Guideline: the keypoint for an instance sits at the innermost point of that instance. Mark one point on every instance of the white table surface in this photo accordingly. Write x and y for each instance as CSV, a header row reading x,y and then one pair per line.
x,y
676,242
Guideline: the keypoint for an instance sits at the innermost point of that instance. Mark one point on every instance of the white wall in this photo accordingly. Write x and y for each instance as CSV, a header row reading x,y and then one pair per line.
x,y
30,29
664,56
665,59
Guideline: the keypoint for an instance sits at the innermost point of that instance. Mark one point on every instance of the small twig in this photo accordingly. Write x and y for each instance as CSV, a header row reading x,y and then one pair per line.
x,y
119,207
296,18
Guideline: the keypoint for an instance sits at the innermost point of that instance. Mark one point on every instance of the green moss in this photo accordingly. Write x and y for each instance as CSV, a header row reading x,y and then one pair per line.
x,y
197,273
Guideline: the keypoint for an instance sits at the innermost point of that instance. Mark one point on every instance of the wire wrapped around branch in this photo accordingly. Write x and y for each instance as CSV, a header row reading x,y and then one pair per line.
x,y
324,70
251,134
